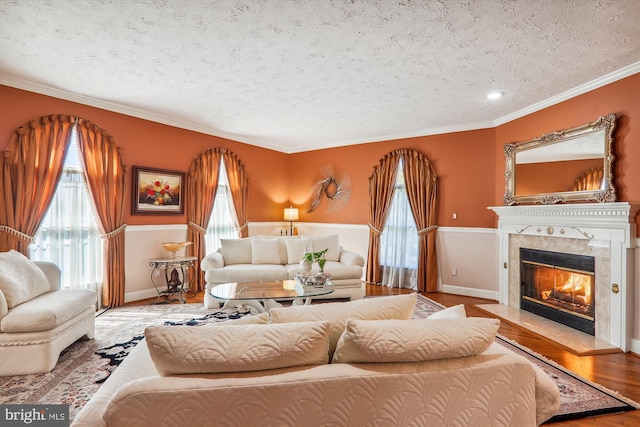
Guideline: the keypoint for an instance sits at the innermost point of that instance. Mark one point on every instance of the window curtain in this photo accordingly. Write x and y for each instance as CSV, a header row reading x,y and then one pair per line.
x,y
590,180
421,181
69,235
223,220
105,175
202,185
399,241
381,187
239,188
31,168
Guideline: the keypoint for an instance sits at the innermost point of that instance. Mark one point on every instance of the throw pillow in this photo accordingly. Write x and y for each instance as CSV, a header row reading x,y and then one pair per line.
x,y
331,243
265,251
21,279
236,251
296,248
336,313
455,312
179,350
371,341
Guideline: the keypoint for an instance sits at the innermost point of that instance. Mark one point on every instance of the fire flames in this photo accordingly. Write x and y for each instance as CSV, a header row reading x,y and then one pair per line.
x,y
576,286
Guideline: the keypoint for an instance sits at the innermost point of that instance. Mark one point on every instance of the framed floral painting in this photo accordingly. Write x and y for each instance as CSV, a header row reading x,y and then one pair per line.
x,y
157,191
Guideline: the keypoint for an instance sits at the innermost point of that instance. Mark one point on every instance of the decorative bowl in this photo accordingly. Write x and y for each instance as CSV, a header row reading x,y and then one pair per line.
x,y
174,247
312,278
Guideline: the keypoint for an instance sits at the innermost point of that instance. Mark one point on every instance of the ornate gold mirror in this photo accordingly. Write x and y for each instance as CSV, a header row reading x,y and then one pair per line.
x,y
568,165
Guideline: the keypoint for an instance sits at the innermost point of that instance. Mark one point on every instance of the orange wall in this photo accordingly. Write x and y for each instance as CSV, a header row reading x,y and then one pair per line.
x,y
463,161
146,143
551,177
621,97
470,165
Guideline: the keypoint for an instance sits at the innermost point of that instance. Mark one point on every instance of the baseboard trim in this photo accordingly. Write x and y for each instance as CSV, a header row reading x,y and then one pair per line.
x,y
470,292
140,295
635,346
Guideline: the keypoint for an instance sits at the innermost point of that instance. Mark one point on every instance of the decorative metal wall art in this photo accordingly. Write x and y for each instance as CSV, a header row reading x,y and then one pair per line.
x,y
335,186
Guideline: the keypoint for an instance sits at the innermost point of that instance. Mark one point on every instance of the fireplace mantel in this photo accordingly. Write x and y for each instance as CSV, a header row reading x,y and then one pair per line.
x,y
605,228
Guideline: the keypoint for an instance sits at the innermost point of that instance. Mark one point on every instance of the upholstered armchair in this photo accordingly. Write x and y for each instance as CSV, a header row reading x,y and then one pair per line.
x,y
38,319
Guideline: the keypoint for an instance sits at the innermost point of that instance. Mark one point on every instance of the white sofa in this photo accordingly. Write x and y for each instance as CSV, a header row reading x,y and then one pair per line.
x,y
278,374
38,319
278,258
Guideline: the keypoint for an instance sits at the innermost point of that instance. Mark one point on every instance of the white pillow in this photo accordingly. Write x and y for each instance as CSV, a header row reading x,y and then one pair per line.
x,y
236,251
179,350
296,248
373,341
455,312
21,279
265,251
336,313
331,243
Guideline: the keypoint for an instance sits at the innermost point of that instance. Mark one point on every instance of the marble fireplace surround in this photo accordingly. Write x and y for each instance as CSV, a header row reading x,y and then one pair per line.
x,y
605,231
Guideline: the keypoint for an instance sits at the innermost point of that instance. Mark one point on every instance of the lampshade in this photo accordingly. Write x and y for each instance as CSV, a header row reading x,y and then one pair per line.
x,y
290,214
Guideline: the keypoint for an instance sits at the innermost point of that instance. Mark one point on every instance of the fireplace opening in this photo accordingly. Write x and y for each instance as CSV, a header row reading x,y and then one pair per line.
x,y
559,286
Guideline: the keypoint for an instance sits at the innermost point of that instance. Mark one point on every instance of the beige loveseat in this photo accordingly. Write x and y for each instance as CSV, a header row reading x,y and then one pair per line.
x,y
38,319
263,258
387,370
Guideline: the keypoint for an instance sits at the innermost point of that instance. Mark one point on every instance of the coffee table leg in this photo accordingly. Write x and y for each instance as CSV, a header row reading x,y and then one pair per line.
x,y
232,303
269,304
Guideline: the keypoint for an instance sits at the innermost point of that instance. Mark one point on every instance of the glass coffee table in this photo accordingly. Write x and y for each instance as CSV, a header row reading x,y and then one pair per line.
x,y
263,295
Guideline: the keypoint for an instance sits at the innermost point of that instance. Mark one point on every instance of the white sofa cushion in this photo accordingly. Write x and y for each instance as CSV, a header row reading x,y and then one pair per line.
x,y
296,248
455,312
20,278
236,251
247,273
331,243
236,348
48,310
365,341
265,251
389,307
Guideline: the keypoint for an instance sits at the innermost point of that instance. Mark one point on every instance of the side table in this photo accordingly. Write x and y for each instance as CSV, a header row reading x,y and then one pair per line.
x,y
176,276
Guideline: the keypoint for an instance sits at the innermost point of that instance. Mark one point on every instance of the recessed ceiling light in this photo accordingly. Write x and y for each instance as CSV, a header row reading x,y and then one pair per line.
x,y
494,95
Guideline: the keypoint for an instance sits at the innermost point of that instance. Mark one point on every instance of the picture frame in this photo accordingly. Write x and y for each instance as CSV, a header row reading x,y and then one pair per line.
x,y
157,191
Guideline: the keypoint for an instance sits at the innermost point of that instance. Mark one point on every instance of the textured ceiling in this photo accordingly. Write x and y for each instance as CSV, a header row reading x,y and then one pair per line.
x,y
301,75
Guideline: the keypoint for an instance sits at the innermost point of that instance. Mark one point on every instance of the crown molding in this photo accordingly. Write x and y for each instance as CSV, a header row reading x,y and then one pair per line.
x,y
252,140
571,93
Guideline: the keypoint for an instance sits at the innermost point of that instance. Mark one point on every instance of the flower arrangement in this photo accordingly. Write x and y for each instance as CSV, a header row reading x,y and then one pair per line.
x,y
318,257
159,192
309,278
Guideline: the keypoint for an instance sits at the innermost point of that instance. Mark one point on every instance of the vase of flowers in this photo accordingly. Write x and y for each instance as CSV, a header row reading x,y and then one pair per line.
x,y
306,276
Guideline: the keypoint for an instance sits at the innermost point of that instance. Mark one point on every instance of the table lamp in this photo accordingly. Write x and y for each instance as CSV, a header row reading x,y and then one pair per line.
x,y
291,214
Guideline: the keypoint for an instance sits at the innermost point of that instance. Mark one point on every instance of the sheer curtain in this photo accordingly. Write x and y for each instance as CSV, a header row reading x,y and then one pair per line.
x,y
69,235
222,223
399,246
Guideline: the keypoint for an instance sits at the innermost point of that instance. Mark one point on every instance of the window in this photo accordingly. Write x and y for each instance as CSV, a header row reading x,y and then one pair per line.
x,y
399,241
69,235
222,223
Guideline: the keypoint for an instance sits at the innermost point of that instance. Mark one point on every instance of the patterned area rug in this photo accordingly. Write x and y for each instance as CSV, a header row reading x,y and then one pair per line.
x,y
85,365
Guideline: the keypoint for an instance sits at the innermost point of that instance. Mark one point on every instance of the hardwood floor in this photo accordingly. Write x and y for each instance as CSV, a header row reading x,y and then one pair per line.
x,y
619,372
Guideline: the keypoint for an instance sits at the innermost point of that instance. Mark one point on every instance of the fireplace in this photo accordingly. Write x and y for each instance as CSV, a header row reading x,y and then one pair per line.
x,y
559,286
605,231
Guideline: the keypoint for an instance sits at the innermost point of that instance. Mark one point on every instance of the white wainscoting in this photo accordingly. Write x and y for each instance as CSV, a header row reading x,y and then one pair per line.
x,y
472,251
473,254
140,246
353,237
